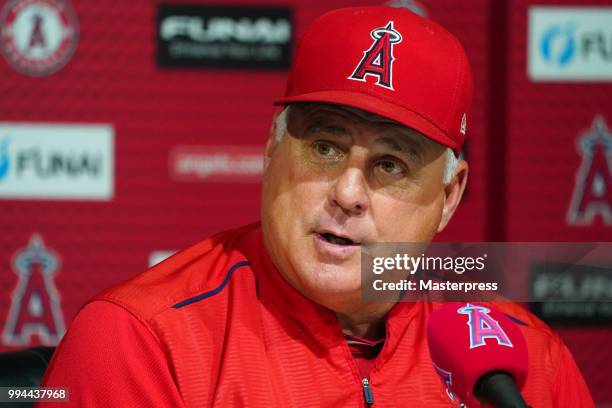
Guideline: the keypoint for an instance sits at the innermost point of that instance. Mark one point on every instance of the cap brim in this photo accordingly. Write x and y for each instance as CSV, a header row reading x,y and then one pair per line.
x,y
379,107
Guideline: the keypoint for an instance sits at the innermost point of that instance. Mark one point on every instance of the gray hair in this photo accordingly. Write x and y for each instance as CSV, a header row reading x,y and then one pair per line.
x,y
449,166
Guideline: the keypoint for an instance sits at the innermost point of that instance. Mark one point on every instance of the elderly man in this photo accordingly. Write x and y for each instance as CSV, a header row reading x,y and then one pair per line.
x,y
364,151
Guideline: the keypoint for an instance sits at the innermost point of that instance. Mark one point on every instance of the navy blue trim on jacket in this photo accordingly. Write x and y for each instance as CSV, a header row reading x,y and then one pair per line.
x,y
214,291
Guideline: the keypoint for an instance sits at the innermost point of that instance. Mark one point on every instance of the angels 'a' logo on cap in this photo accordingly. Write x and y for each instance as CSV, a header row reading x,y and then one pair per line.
x,y
377,60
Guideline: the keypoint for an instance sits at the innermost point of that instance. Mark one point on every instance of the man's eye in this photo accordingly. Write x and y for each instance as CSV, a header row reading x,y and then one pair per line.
x,y
391,167
326,150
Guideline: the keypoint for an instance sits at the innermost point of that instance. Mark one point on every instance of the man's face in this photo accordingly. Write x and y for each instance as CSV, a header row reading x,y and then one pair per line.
x,y
341,178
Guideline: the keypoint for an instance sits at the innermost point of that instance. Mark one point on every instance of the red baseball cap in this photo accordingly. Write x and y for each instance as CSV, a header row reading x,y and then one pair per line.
x,y
388,61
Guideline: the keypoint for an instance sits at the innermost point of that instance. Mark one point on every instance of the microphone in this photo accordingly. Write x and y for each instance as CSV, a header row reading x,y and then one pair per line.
x,y
480,355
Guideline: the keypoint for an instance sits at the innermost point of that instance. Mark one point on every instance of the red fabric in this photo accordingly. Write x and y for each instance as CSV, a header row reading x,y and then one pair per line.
x,y
205,328
112,359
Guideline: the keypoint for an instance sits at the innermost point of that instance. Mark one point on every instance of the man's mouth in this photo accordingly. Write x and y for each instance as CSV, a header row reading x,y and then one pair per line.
x,y
336,239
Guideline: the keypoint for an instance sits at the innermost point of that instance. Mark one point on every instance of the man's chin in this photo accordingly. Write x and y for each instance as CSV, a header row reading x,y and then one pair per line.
x,y
330,282
339,301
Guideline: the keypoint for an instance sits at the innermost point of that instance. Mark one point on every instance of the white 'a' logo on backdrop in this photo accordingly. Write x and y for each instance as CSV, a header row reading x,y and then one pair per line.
x,y
35,306
593,187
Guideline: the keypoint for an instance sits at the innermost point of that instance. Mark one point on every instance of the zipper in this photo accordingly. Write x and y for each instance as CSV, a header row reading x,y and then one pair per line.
x,y
367,391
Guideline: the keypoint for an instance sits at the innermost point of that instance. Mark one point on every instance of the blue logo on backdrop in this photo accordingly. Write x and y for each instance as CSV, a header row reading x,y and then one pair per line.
x,y
559,44
4,158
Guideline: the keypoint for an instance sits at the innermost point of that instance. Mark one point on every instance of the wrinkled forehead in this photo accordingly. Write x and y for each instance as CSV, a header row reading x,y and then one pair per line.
x,y
312,111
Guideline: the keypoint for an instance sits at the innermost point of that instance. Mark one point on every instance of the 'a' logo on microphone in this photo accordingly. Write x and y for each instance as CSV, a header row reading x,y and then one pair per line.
x,y
482,326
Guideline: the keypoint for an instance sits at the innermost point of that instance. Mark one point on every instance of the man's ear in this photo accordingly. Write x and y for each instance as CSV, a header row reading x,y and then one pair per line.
x,y
272,142
453,192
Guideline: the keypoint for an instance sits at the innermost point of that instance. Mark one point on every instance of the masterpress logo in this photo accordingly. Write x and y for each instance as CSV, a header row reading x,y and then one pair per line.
x,y
570,44
48,161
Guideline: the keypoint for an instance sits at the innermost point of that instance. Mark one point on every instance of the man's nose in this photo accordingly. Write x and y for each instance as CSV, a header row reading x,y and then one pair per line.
x,y
350,192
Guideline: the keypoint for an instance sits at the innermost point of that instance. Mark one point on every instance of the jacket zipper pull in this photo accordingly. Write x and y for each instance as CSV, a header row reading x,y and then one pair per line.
x,y
367,392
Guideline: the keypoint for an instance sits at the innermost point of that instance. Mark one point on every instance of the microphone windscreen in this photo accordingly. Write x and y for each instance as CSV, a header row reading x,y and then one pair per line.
x,y
468,340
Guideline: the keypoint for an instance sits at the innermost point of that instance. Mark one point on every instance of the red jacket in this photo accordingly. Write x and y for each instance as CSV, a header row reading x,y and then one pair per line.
x,y
217,325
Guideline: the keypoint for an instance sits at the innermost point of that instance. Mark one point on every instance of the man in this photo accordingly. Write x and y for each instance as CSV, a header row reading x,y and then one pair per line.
x,y
271,314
